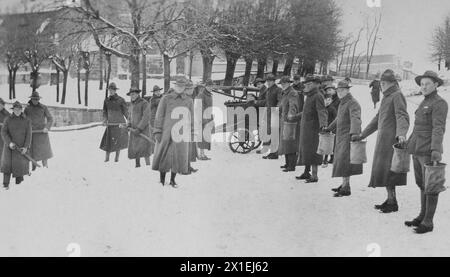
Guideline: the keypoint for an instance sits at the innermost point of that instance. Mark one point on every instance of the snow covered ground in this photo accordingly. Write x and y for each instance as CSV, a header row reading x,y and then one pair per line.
x,y
235,205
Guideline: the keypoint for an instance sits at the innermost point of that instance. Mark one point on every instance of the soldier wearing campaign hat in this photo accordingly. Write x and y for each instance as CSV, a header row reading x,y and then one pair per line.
x,y
426,146
16,134
139,123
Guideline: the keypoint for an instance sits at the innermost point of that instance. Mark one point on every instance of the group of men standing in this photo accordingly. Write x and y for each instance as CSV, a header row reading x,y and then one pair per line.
x,y
145,127
24,138
315,106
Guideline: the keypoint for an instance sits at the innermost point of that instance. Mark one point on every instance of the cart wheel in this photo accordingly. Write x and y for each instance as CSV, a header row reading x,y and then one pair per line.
x,y
239,144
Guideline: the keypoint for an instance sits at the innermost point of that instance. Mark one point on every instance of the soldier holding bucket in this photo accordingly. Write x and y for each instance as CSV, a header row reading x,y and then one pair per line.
x,y
425,144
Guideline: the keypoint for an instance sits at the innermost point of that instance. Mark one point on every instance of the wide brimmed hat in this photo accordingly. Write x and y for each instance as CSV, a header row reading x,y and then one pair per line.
x,y
388,76
258,80
113,86
189,84
35,95
327,78
134,90
432,75
209,82
181,82
343,84
270,77
331,86
16,105
311,78
2,101
285,79
156,88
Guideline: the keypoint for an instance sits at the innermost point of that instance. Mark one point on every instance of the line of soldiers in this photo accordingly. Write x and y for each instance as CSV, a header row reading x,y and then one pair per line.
x,y
145,127
305,114
24,137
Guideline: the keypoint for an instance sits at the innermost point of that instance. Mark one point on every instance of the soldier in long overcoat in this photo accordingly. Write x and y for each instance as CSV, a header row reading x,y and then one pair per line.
x,y
115,114
425,144
346,125
154,102
290,125
139,123
16,134
332,103
41,122
392,123
172,154
314,119
204,97
260,102
3,115
273,95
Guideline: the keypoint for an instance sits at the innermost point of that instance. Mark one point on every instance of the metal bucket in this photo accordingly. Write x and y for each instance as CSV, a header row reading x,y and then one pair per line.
x,y
358,152
326,144
401,159
435,177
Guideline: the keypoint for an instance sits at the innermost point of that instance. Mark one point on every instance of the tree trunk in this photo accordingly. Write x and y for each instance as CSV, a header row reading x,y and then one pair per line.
x,y
65,77
34,79
166,61
108,73
86,88
10,81
231,67
135,71
248,71
309,66
288,65
79,81
14,82
57,84
275,67
207,60
262,61
300,67
144,75
100,61
325,68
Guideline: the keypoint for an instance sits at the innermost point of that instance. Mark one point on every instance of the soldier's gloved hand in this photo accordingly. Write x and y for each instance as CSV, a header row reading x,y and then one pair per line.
x,y
356,137
436,156
23,150
12,145
324,129
158,137
45,130
104,123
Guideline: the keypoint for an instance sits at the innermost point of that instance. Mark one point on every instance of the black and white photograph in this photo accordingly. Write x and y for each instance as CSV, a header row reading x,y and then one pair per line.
x,y
224,128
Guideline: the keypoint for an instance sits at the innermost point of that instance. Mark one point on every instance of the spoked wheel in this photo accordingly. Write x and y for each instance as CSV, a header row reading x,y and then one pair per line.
x,y
240,142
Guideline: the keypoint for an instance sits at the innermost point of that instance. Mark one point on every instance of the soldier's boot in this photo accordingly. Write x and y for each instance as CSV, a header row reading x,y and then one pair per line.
x,y
138,162
172,180
423,204
6,180
19,180
33,167
427,223
116,159
162,177
107,157
45,163
147,160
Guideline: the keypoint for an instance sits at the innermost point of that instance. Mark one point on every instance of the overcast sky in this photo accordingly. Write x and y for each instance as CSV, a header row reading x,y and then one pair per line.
x,y
407,25
406,28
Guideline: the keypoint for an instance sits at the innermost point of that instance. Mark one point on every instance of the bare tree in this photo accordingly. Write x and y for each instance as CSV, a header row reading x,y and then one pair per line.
x,y
355,44
440,44
372,37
